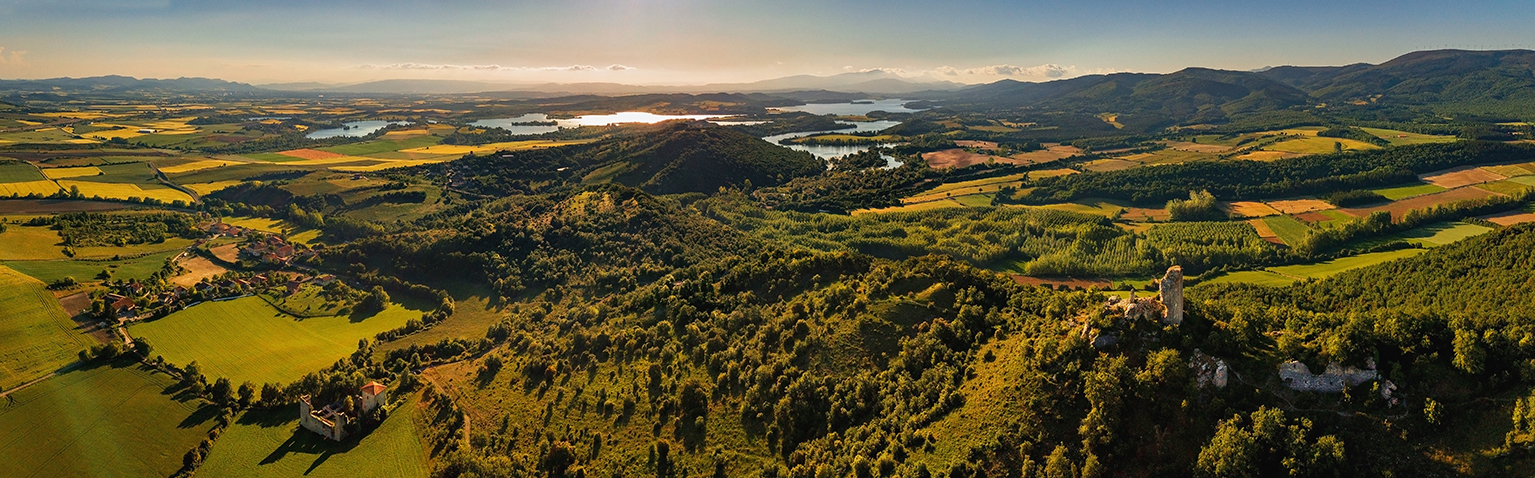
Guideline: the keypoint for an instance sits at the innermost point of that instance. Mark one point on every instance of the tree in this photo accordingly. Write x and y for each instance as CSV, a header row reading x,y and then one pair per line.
x,y
223,392
192,373
270,393
247,394
377,300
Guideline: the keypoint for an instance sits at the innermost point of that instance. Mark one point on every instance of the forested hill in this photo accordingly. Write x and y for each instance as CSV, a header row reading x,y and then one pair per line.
x,y
1489,276
673,157
603,237
695,157
1190,95
1490,82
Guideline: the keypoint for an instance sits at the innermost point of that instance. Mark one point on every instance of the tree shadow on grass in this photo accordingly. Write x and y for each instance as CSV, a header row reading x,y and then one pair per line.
x,y
303,441
203,414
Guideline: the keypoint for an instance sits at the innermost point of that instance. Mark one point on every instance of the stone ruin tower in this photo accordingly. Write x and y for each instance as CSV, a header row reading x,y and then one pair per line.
x,y
1170,293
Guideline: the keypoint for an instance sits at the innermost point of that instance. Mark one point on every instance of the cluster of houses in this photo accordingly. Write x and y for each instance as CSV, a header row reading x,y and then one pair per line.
x,y
126,303
273,250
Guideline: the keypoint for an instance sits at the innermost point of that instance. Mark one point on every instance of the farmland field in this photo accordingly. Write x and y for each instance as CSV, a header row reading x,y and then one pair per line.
x,y
434,148
197,269
84,271
36,336
30,243
270,443
42,188
1400,138
62,173
1443,233
195,166
1287,228
1402,192
1322,270
1319,145
247,339
1264,278
210,188
106,420
1464,176
1401,207
374,147
125,191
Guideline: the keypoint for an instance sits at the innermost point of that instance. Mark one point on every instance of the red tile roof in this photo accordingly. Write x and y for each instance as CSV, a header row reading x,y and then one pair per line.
x,y
373,388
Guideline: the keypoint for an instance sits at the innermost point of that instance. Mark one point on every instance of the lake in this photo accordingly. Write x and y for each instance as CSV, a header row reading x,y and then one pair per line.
x,y
506,123
585,120
828,151
852,108
353,129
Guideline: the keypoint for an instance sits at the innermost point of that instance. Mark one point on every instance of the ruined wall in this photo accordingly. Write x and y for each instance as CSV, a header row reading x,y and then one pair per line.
x,y
1170,293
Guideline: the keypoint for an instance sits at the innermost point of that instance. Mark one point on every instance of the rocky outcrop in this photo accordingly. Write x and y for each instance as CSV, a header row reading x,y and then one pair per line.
x,y
1332,380
1170,293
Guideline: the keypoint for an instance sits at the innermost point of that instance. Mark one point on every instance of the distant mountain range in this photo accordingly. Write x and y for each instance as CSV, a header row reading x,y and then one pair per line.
x,y
1478,82
872,82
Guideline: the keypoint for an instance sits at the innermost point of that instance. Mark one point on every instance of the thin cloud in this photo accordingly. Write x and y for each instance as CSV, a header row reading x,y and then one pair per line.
x,y
427,66
12,58
1046,71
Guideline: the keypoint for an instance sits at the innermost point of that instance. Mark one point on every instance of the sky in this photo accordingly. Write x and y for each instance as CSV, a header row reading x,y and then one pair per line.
x,y
690,42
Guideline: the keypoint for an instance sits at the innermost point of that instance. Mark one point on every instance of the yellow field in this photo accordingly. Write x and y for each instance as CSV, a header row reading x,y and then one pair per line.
x,y
124,191
195,166
1050,173
125,133
327,161
492,147
62,173
209,188
29,187
77,115
386,165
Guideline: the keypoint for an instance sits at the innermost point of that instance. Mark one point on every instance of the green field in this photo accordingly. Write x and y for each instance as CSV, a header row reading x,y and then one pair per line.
x,y
247,339
48,271
19,172
1264,278
1391,136
1289,229
30,243
1395,193
36,337
1434,235
1325,269
270,443
107,420
1318,145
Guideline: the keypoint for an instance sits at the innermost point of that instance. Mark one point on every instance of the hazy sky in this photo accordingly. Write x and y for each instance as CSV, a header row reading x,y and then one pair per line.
x,y
695,41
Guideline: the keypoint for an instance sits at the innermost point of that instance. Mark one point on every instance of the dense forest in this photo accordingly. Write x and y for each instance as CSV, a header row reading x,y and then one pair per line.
x,y
1246,180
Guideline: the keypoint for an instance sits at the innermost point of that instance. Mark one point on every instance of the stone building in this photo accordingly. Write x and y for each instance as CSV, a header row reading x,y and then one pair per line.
x,y
333,420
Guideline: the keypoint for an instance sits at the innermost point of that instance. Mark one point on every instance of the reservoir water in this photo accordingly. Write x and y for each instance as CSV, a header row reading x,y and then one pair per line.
x,y
353,129
853,108
586,120
829,151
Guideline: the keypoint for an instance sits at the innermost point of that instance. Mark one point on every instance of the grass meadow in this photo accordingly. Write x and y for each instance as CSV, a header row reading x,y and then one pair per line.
x,y
1289,229
86,270
36,336
270,443
247,339
108,420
